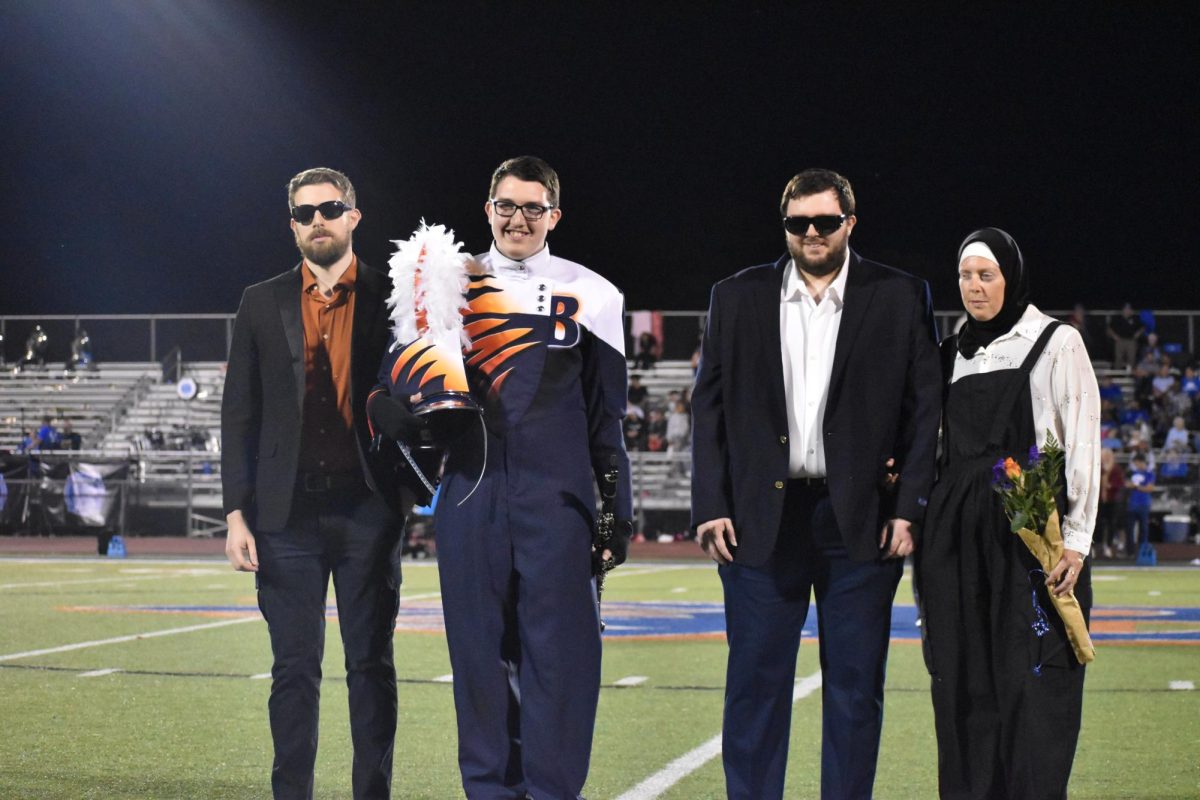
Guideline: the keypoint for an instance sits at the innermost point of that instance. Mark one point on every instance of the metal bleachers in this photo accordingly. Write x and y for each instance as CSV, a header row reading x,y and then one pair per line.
x,y
88,398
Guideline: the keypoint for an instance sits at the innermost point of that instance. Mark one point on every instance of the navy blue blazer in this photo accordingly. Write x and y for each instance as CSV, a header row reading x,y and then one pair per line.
x,y
885,396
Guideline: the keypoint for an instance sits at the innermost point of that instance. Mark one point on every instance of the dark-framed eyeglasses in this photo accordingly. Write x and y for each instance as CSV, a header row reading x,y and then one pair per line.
x,y
531,211
824,223
330,209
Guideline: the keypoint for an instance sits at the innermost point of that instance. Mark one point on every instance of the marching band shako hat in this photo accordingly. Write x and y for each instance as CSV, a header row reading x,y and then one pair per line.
x,y
429,279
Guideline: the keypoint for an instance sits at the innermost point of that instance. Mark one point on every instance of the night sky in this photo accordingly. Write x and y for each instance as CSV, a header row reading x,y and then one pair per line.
x,y
147,144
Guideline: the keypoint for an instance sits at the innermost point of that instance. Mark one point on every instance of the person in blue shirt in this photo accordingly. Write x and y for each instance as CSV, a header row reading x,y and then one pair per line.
x,y
1190,385
1141,488
48,437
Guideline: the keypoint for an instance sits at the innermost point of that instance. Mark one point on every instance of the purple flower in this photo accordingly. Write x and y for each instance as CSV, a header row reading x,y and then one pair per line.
x,y
1034,455
999,476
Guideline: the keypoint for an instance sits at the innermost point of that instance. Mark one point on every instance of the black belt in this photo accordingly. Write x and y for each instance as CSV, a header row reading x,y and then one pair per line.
x,y
808,483
322,482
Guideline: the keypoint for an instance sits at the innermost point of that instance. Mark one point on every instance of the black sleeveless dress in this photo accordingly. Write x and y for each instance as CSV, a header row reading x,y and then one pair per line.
x,y
1007,689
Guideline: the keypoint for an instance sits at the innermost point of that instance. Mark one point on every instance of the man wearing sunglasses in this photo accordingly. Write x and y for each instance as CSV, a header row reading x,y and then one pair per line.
x,y
304,497
816,373
547,364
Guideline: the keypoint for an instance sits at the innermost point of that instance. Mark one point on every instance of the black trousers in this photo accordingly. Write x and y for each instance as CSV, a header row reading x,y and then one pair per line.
x,y
354,536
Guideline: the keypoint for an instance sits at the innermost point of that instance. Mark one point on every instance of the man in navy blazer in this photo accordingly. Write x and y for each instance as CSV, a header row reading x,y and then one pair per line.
x,y
819,376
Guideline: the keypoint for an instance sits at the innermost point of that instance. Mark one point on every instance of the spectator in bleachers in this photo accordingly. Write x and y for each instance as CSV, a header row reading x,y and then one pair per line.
x,y
1143,384
1111,390
1141,488
1163,381
1150,357
48,437
1139,445
647,352
634,426
70,439
1190,383
1125,331
1178,437
1172,469
1078,321
637,393
679,433
656,431
26,442
1110,513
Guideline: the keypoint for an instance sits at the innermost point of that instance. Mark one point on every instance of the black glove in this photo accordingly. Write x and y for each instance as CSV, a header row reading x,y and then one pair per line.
x,y
618,545
392,418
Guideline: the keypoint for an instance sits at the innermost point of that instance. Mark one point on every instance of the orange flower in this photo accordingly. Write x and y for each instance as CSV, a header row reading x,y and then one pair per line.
x,y
1012,469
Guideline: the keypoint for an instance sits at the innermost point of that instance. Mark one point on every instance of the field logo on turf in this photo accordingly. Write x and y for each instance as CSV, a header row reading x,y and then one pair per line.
x,y
690,620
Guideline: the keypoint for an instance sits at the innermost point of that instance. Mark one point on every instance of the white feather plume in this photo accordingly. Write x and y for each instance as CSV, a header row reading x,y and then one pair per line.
x,y
429,274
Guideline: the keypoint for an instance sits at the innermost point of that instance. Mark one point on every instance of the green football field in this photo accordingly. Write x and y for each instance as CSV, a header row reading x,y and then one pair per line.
x,y
146,679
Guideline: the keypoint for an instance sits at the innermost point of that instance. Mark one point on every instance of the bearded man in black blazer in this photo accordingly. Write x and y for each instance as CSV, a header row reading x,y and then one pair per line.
x,y
819,378
304,496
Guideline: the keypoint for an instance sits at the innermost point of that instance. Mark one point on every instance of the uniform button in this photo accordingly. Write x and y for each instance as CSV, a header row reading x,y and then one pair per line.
x,y
810,452
778,484
783,440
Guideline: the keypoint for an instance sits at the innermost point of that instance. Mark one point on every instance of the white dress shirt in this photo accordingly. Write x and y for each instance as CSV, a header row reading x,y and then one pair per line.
x,y
1066,400
808,333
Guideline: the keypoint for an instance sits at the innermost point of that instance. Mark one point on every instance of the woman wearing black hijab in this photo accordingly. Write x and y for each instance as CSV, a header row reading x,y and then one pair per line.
x,y
1007,689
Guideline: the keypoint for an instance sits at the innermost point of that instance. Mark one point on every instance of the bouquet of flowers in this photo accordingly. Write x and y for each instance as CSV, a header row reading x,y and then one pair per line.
x,y
1029,496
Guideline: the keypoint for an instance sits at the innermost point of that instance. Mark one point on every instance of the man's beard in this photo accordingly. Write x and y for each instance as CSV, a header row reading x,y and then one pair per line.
x,y
823,266
325,254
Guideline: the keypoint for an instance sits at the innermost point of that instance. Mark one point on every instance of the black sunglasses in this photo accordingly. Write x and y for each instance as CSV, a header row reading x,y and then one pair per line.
x,y
330,209
825,224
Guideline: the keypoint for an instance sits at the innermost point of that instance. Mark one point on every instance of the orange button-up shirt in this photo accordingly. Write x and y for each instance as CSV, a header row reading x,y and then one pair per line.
x,y
327,439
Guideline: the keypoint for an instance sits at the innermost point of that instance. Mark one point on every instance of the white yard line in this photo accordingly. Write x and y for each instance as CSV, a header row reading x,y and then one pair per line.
x,y
262,676
131,638
97,673
1182,686
632,680
689,762
122,579
444,678
635,571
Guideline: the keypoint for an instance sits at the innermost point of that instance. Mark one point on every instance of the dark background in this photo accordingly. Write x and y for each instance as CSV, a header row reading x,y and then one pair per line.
x,y
147,144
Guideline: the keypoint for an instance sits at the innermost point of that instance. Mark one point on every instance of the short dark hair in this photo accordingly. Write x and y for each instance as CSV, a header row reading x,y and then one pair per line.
x,y
527,168
311,177
816,181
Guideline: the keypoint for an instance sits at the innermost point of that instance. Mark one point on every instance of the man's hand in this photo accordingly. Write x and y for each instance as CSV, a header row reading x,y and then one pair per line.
x,y
618,545
896,539
239,544
392,418
716,538
1065,575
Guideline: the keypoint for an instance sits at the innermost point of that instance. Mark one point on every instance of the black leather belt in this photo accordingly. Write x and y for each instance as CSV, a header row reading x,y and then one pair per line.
x,y
809,483
322,482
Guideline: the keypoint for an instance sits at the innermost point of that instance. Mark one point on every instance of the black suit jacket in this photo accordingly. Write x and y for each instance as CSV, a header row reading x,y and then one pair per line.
x,y
884,401
264,395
